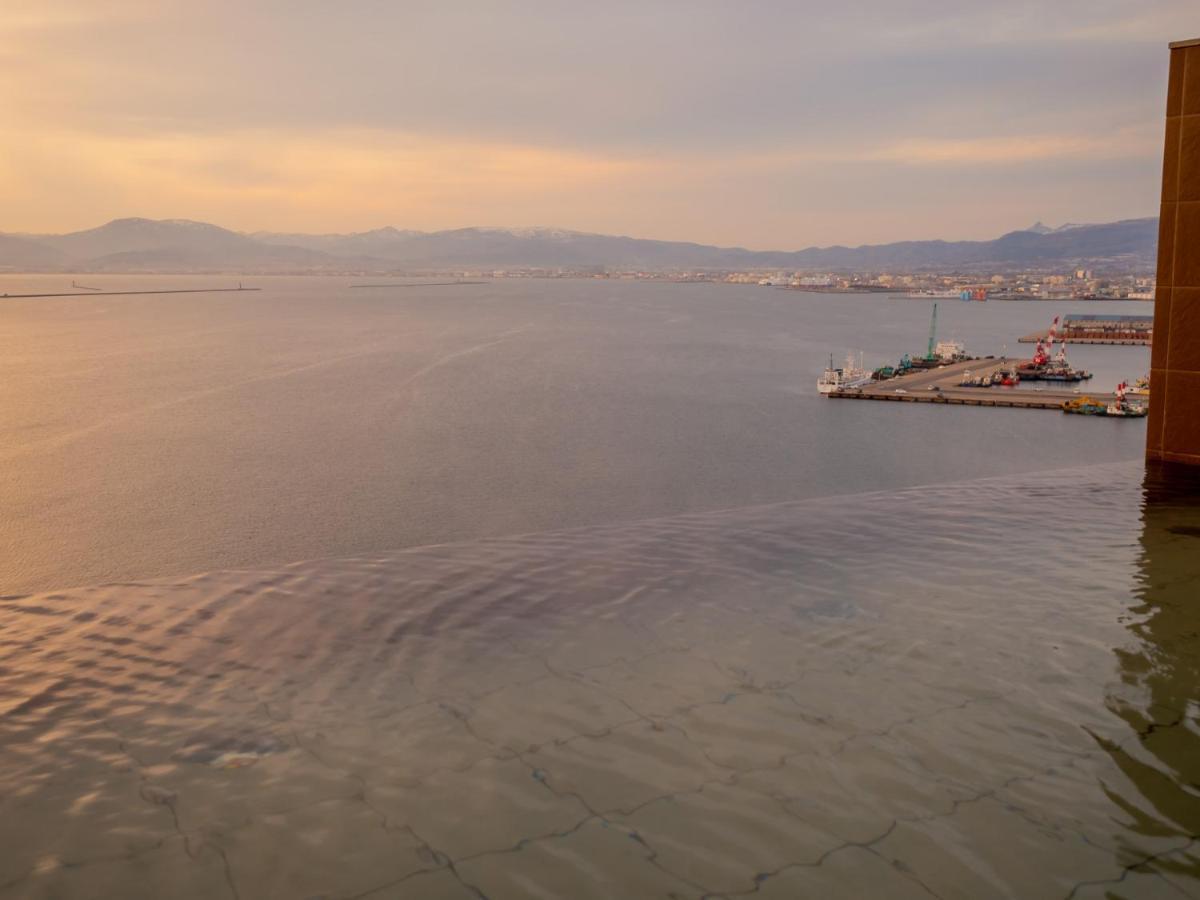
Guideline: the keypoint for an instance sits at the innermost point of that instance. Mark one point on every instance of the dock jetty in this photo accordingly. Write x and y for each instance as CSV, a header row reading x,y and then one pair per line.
x,y
411,284
95,293
1066,339
943,385
1136,331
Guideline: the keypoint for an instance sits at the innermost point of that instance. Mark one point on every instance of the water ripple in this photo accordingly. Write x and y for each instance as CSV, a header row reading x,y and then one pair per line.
x,y
983,689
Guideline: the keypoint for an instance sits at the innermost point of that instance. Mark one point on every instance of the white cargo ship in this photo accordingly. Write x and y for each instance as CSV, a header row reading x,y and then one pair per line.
x,y
848,376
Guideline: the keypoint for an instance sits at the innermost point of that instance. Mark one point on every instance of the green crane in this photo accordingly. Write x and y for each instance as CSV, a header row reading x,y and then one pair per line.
x,y
932,333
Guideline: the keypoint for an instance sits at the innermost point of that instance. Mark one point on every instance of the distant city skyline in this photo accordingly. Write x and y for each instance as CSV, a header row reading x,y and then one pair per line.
x,y
765,125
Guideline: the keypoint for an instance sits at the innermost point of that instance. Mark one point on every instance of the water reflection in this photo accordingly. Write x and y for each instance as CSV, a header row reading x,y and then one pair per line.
x,y
871,696
1159,695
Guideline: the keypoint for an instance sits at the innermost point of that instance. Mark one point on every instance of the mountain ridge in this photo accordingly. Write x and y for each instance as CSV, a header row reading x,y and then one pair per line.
x,y
164,245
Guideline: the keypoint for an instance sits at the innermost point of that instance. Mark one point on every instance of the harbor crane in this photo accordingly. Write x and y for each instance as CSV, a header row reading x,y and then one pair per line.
x,y
932,333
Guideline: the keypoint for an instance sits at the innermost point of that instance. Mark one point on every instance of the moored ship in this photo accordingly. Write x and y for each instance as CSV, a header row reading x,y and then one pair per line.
x,y
1043,367
1052,372
1119,408
1085,406
849,376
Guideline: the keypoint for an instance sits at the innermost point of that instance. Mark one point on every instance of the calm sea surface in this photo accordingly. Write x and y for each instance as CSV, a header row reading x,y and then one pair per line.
x,y
576,590
162,435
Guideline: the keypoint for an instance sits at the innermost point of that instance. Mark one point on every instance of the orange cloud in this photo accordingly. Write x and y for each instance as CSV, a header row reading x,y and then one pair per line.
x,y
256,179
1018,148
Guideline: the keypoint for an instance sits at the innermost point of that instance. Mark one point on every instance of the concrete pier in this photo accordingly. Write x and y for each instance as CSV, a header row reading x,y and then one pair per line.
x,y
95,293
942,386
1043,335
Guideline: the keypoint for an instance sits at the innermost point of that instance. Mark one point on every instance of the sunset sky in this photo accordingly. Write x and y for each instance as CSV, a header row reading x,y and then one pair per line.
x,y
761,124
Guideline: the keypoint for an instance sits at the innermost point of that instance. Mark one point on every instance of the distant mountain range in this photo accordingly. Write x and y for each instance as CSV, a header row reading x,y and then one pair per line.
x,y
179,245
1039,228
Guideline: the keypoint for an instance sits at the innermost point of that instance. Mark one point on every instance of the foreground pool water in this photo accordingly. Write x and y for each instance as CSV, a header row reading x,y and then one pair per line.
x,y
983,689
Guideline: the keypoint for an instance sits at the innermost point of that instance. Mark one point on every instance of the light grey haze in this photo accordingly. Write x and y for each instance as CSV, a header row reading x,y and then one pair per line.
x,y
767,125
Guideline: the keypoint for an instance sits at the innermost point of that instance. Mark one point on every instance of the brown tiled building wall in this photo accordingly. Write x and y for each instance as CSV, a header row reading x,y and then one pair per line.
x,y
1173,433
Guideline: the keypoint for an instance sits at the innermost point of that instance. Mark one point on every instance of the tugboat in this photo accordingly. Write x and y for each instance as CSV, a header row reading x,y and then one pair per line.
x,y
848,377
1120,408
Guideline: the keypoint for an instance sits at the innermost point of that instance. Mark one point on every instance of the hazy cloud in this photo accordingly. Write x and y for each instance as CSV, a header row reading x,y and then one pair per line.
x,y
707,120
